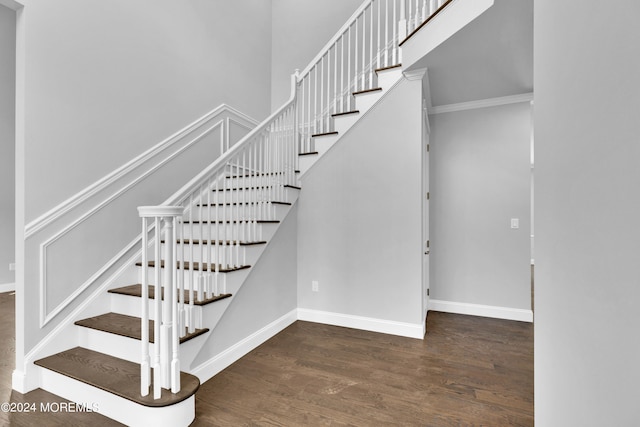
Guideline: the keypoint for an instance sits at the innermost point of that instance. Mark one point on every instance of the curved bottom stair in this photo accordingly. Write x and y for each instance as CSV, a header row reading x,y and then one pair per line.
x,y
86,377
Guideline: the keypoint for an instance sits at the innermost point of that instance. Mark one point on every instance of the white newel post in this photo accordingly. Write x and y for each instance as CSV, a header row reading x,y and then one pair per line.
x,y
166,364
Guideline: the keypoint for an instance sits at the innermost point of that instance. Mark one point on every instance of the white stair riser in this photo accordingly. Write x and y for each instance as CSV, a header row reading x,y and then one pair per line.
x,y
242,231
131,349
387,78
344,123
366,100
252,181
132,306
306,162
240,194
231,281
323,143
219,253
240,210
115,407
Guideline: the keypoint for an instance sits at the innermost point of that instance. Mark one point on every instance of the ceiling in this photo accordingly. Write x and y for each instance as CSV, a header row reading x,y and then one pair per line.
x,y
490,57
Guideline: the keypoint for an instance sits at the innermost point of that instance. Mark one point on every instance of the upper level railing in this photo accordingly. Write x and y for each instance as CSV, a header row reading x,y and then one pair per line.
x,y
208,220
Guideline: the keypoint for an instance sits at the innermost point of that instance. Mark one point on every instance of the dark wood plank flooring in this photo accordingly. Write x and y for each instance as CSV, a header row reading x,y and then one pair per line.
x,y
469,371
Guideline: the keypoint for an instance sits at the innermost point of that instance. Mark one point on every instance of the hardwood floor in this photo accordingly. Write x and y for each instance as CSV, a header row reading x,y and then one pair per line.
x,y
468,371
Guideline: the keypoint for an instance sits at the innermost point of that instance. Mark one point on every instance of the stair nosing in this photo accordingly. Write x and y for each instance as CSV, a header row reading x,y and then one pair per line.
x,y
362,92
345,113
317,135
390,67
86,323
207,267
122,291
190,383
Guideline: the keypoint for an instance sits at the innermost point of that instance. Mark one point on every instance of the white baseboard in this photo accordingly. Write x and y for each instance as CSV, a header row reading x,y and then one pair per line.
x,y
221,361
481,310
7,287
410,330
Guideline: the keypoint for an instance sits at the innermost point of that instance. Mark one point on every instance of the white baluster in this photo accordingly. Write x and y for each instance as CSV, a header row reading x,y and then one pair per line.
x,y
145,367
364,49
402,24
379,30
371,48
157,370
395,35
191,274
349,89
386,33
342,59
172,303
335,79
355,59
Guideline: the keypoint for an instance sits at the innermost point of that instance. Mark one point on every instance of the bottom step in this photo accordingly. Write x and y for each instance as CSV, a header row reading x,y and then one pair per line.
x,y
120,379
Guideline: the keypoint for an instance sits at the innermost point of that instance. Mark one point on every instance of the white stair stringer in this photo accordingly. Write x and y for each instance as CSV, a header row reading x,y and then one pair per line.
x,y
364,101
129,349
115,407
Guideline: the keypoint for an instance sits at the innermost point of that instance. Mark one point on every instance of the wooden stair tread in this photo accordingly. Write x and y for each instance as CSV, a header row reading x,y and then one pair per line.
x,y
127,326
390,67
419,27
239,221
250,175
360,92
310,153
220,242
114,375
251,187
196,266
317,135
274,202
136,291
345,114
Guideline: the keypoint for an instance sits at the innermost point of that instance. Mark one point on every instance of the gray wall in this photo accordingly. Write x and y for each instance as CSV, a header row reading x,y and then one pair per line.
x,y
107,80
268,293
587,344
7,142
300,29
360,217
479,180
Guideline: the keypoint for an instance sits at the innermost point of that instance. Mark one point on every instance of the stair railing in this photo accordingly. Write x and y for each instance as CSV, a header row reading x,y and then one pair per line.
x,y
211,217
369,41
197,235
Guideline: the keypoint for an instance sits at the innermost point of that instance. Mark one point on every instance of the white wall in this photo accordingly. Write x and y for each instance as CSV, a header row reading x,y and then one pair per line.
x,y
7,142
107,80
268,294
360,217
587,209
480,179
300,29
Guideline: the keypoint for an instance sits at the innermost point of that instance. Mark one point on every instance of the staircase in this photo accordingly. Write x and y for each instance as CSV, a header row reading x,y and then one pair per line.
x,y
132,362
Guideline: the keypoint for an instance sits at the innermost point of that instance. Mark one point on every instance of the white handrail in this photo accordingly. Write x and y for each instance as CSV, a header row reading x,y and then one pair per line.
x,y
179,195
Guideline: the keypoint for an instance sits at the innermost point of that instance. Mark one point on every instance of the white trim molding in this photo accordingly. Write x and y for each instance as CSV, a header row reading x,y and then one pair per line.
x,y
224,359
482,103
102,193
241,119
495,312
403,329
